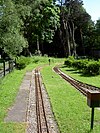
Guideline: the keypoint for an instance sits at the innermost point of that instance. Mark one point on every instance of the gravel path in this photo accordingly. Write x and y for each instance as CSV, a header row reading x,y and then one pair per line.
x,y
31,114
17,113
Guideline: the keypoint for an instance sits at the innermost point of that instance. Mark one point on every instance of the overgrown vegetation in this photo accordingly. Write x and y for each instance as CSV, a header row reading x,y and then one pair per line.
x,y
22,62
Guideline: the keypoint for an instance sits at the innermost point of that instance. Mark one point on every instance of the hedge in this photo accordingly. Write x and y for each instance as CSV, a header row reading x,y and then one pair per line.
x,y
89,67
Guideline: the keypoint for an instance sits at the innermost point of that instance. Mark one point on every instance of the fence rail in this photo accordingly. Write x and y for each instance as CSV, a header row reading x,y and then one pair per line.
x,y
6,67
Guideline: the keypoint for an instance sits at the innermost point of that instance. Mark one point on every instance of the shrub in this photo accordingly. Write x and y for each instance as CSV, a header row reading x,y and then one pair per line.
x,y
22,62
92,68
80,64
69,61
76,64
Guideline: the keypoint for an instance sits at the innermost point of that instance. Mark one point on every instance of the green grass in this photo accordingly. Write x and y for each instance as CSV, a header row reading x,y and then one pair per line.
x,y
69,106
9,86
92,80
12,127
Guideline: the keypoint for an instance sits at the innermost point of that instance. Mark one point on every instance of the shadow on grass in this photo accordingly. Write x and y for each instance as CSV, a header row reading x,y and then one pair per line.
x,y
76,71
87,75
67,68
90,131
63,66
73,71
83,74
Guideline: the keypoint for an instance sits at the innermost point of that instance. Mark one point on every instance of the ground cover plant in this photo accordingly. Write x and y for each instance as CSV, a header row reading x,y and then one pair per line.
x,y
69,106
9,86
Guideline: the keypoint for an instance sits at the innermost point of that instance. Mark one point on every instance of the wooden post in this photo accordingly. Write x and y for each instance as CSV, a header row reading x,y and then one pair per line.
x,y
92,118
4,67
9,66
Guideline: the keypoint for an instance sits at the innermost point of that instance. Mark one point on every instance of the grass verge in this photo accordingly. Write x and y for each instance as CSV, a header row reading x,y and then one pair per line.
x,y
69,106
9,86
92,80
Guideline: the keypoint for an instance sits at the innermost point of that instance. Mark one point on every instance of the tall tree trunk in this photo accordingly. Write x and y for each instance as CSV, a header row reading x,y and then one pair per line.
x,y
42,48
82,41
73,39
65,38
68,41
62,42
38,48
65,33
70,36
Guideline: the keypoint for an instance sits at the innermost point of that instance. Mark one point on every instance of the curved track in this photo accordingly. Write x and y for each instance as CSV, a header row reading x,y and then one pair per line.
x,y
82,87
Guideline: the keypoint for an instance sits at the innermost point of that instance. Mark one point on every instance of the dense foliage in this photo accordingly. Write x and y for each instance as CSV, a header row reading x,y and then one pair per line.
x,y
86,66
12,40
52,27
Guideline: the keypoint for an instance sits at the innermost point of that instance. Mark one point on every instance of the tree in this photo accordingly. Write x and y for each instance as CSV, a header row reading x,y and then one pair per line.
x,y
97,34
12,41
73,18
42,23
97,25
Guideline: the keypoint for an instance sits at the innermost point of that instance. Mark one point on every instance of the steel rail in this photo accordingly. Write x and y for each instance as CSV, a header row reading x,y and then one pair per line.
x,y
82,87
42,126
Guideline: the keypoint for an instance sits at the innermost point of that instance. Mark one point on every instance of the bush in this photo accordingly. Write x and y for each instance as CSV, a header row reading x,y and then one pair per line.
x,y
92,68
69,61
22,62
80,64
76,64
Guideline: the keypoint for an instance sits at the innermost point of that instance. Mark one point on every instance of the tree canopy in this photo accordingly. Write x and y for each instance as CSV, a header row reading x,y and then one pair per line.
x,y
12,40
58,27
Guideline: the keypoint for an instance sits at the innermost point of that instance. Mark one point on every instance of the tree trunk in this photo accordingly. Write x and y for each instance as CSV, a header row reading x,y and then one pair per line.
x,y
65,34
70,37
73,39
38,48
82,41
68,41
65,38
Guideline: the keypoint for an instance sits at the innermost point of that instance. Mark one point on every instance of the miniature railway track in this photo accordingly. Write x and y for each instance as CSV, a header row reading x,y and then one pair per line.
x,y
82,87
42,126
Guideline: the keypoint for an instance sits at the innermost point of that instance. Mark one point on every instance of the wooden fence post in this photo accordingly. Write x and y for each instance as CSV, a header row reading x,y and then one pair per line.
x,y
4,67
